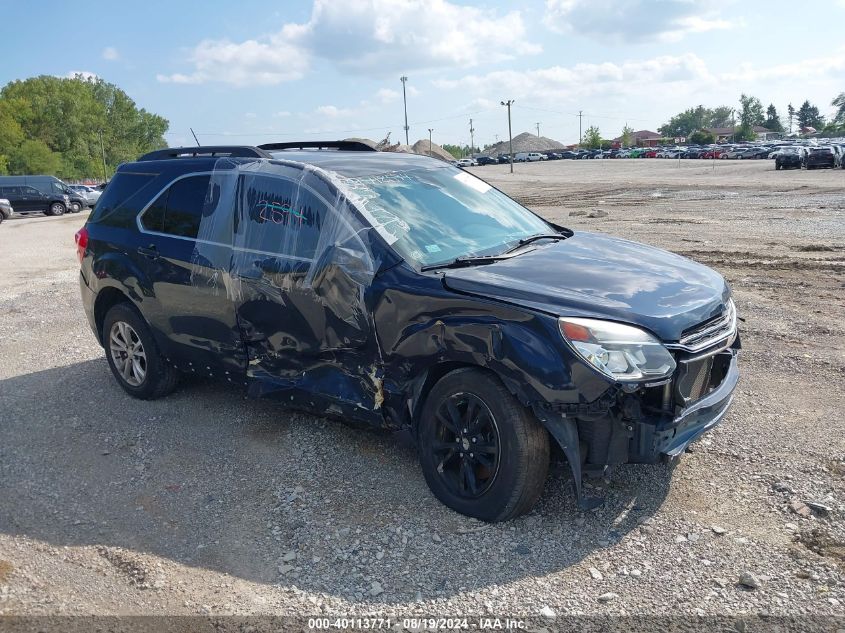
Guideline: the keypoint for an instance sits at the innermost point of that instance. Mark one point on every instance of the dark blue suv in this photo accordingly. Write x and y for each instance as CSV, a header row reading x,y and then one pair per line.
x,y
400,292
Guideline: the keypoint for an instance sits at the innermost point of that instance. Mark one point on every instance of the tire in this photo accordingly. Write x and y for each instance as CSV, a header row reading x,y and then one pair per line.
x,y
75,207
124,324
56,208
777,167
516,447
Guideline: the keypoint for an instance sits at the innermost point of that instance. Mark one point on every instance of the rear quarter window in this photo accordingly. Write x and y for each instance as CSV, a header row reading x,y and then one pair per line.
x,y
125,195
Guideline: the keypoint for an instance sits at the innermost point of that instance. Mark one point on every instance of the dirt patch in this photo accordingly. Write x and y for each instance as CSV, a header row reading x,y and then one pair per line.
x,y
6,569
823,544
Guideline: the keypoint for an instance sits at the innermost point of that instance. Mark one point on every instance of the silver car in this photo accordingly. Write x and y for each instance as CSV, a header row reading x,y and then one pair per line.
x,y
90,194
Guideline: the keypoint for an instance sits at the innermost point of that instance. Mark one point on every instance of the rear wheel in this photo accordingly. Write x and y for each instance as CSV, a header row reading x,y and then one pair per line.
x,y
482,453
75,207
133,355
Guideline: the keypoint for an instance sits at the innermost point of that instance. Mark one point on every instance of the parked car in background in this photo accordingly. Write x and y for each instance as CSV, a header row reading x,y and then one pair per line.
x,y
467,162
90,194
480,329
817,157
486,160
504,159
6,209
788,159
713,152
50,186
569,154
26,199
733,153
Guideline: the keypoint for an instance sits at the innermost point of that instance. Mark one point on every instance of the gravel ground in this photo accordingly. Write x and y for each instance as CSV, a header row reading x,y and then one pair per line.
x,y
208,503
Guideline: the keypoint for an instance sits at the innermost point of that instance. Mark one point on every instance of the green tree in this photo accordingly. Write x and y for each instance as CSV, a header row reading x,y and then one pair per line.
x,y
701,137
808,116
68,117
720,116
627,136
34,157
751,112
790,110
592,138
839,104
772,121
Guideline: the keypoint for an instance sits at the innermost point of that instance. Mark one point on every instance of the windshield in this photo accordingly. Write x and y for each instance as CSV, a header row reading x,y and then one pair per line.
x,y
436,215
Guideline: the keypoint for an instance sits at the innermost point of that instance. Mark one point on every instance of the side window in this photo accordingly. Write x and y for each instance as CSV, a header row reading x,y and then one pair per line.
x,y
179,209
278,216
153,218
31,192
57,188
185,204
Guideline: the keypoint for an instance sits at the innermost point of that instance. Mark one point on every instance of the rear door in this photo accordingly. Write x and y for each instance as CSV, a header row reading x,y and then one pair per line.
x,y
187,270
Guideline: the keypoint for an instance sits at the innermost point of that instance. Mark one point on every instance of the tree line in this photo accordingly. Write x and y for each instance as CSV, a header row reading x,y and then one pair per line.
x,y
751,113
69,127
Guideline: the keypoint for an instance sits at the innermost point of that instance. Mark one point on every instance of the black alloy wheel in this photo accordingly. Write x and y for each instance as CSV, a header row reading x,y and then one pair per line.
x,y
467,445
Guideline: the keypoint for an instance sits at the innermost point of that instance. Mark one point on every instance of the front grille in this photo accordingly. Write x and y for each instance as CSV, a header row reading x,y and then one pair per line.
x,y
698,377
719,329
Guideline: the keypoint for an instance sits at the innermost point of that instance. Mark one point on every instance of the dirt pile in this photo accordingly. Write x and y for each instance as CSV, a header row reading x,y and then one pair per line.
x,y
525,142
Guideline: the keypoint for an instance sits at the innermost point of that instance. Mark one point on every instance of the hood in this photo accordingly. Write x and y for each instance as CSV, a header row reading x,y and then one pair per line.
x,y
594,275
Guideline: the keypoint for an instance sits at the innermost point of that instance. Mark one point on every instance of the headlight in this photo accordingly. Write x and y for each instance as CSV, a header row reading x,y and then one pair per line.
x,y
622,352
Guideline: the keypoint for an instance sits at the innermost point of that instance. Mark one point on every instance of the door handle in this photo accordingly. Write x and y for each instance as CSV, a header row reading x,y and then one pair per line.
x,y
148,251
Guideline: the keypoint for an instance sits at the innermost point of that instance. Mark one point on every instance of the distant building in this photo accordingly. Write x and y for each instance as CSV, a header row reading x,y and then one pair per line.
x,y
642,138
727,133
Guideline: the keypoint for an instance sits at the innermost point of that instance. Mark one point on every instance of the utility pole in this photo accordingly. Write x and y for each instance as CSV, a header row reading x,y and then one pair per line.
x,y
430,130
580,134
403,79
103,150
538,128
509,103
471,138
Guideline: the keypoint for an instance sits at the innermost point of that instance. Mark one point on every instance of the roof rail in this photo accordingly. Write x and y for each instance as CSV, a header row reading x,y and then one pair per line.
x,y
344,146
231,151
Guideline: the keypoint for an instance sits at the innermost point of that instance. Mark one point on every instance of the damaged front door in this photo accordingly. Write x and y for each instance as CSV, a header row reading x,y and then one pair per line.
x,y
302,274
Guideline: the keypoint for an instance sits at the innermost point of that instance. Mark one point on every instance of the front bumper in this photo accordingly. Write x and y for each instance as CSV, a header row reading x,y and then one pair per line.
x,y
658,423
7,212
700,416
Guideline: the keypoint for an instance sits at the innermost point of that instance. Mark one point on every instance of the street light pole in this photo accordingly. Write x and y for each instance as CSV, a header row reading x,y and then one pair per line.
x,y
103,150
471,138
403,79
538,128
430,130
509,103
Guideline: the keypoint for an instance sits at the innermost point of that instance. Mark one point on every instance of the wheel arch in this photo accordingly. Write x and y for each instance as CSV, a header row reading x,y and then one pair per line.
x,y
107,298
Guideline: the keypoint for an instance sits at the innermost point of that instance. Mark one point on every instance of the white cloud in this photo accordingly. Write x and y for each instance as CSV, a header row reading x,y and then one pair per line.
x,y
269,61
635,20
281,114
250,115
384,36
110,53
374,37
386,95
333,112
87,75
582,79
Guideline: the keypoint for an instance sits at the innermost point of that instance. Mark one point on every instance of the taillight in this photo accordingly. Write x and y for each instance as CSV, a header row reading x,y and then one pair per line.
x,y
81,242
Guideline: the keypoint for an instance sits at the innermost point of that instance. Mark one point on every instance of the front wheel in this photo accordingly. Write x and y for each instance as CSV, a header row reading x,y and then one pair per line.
x,y
133,355
56,208
75,207
482,453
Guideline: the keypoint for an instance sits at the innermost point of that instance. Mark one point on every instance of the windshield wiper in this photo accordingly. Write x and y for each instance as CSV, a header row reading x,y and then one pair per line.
x,y
460,262
534,238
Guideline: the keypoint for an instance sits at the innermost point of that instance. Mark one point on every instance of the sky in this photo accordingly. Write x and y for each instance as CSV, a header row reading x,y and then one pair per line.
x,y
256,71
